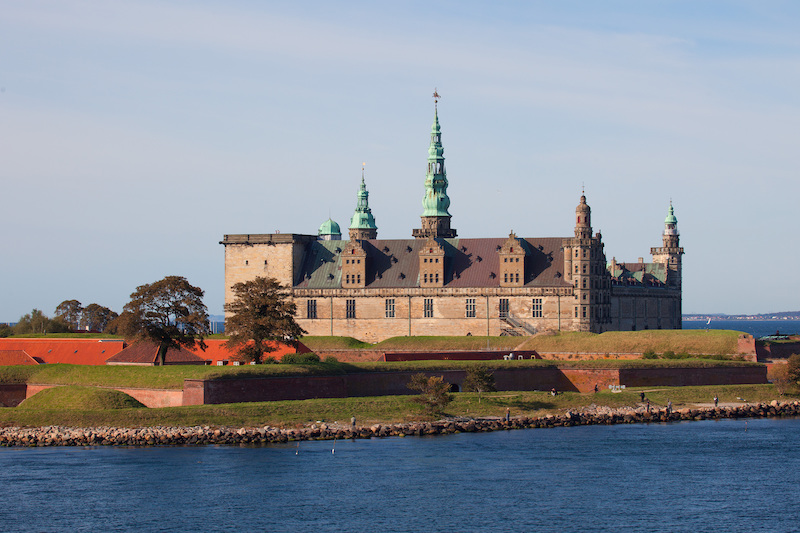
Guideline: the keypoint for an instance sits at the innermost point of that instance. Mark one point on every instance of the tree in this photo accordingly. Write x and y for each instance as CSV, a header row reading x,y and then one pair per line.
x,y
261,311
793,368
479,379
38,322
96,317
71,312
169,312
433,392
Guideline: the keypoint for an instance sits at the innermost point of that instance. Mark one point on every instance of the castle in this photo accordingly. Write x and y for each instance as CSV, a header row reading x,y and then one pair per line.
x,y
439,284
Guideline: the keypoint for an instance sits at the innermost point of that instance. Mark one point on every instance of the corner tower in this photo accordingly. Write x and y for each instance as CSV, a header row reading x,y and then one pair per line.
x,y
435,216
362,224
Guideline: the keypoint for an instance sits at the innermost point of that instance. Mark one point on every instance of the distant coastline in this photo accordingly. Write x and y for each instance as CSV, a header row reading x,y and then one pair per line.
x,y
784,315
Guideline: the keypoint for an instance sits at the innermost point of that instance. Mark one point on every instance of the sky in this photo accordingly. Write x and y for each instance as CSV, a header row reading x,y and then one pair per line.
x,y
134,135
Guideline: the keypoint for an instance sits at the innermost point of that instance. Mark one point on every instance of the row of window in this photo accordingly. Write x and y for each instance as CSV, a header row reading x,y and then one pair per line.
x,y
432,260
513,260
427,308
433,278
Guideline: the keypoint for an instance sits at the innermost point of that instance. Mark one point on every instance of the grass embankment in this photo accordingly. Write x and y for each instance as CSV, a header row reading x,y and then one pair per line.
x,y
74,397
384,409
712,342
171,377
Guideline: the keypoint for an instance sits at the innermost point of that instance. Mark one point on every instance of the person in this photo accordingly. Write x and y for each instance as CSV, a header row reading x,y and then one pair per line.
x,y
716,401
641,395
353,422
669,407
553,392
508,414
595,388
648,406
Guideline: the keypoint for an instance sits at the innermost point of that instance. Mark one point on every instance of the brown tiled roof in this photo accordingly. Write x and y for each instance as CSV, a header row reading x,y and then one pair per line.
x,y
468,263
145,353
16,357
69,351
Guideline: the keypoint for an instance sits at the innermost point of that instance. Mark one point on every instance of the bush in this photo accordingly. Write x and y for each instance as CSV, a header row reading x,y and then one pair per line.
x,y
331,359
300,358
649,354
433,392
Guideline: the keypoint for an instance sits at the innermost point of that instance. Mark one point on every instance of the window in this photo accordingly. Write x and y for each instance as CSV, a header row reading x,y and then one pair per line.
x,y
437,277
350,308
389,307
584,312
428,308
576,312
425,277
537,308
347,278
503,307
505,277
516,277
311,309
470,307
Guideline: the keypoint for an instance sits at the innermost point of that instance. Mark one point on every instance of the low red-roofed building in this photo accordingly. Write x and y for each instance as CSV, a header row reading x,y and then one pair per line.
x,y
16,357
219,355
68,351
145,353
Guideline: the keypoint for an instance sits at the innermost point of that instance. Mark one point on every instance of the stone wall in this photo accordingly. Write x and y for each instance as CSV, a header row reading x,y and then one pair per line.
x,y
12,394
781,350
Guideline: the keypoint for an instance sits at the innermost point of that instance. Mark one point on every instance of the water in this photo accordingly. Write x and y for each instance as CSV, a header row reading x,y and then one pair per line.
x,y
757,328
729,475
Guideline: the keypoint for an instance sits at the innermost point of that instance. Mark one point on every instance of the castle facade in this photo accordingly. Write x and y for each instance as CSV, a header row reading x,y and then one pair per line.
x,y
436,283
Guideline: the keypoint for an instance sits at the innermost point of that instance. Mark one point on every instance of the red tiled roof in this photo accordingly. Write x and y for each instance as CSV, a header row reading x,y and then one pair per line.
x,y
69,351
16,357
145,353
216,351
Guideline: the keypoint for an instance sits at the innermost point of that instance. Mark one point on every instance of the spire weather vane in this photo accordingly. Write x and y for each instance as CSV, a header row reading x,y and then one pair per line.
x,y
436,96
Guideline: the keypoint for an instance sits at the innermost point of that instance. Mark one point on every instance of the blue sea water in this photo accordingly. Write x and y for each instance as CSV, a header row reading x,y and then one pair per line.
x,y
729,475
757,328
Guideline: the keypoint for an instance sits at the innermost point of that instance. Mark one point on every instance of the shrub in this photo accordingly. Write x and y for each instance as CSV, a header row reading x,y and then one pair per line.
x,y
300,358
331,359
649,354
433,392
669,354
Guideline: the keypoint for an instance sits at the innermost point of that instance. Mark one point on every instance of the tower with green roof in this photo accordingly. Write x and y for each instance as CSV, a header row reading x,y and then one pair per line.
x,y
362,224
329,231
435,215
671,251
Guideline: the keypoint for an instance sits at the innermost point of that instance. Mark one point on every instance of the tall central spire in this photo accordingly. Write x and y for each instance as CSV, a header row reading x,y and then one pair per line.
x,y
435,203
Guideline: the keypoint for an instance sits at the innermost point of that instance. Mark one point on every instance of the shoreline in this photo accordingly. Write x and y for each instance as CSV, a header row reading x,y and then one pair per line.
x,y
205,435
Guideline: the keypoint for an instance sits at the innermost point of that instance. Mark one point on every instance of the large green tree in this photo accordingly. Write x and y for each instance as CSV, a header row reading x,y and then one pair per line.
x,y
169,312
261,311
70,311
96,317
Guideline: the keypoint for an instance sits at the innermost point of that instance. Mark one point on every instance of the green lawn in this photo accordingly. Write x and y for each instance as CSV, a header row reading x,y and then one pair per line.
x,y
383,409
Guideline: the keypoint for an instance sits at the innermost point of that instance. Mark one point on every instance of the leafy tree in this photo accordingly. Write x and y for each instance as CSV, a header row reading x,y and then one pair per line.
x,y
38,323
793,368
169,312
479,379
71,312
261,311
5,330
434,392
96,317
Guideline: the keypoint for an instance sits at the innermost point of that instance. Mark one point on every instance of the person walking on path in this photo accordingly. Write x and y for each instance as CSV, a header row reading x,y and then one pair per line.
x,y
641,395
716,401
508,414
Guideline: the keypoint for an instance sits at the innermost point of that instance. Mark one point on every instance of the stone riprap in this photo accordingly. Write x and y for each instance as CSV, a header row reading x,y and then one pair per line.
x,y
205,435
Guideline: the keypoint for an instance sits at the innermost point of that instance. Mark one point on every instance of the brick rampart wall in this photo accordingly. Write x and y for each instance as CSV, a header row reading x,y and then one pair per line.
x,y
12,394
148,397
778,350
681,377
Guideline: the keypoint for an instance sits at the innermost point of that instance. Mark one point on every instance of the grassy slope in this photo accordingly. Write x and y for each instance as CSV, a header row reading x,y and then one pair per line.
x,y
712,342
385,409
74,397
171,377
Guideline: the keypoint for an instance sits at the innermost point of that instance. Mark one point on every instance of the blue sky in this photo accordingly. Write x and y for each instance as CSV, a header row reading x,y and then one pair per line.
x,y
136,134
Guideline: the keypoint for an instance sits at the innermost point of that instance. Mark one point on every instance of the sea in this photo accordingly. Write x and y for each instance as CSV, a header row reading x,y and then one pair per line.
x,y
757,328
706,476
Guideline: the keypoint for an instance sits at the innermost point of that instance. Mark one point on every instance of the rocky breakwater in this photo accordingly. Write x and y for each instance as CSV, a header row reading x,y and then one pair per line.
x,y
205,435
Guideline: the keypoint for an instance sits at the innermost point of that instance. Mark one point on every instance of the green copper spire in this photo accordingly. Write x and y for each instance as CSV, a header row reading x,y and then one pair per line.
x,y
362,224
671,219
436,202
